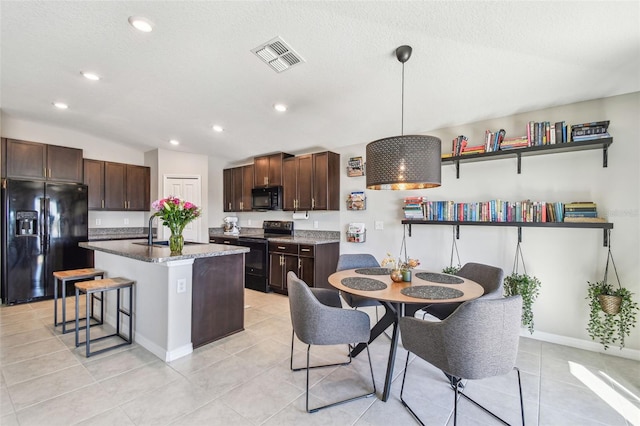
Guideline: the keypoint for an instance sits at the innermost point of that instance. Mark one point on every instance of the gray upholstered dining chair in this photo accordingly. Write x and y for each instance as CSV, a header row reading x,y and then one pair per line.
x,y
489,277
318,319
479,340
352,261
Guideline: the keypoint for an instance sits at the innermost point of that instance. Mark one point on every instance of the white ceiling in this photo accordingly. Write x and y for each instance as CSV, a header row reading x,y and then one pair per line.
x,y
471,61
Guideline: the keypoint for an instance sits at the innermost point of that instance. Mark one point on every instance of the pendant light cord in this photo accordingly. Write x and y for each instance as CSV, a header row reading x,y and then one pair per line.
x,y
402,114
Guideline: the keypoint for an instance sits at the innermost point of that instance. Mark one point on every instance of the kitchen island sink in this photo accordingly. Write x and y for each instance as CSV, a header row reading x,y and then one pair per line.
x,y
162,243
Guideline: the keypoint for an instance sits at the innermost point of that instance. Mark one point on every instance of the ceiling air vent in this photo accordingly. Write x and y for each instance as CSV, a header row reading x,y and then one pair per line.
x,y
278,55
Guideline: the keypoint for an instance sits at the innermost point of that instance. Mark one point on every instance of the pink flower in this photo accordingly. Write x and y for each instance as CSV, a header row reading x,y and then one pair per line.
x,y
188,205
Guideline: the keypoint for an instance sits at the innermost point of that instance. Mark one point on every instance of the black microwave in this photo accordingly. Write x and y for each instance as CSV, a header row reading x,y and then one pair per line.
x,y
266,198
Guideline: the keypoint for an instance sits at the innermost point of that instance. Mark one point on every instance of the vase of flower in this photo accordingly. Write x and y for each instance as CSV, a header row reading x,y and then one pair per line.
x,y
176,242
175,215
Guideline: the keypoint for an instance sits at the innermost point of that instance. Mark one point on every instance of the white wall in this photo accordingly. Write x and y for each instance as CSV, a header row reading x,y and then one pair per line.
x,y
563,259
166,162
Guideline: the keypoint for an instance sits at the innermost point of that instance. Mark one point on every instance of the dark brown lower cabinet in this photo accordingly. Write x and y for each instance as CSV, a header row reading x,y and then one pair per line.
x,y
313,263
217,308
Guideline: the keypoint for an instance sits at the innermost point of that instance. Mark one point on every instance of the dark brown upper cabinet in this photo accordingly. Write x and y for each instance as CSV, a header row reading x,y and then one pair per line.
x,y
117,186
237,183
312,182
268,170
33,160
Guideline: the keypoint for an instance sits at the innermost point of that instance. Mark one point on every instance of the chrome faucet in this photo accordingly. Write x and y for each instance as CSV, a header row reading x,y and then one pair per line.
x,y
150,236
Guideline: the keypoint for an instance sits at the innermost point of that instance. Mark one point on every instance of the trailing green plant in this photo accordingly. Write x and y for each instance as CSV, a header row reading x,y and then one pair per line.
x,y
610,328
528,287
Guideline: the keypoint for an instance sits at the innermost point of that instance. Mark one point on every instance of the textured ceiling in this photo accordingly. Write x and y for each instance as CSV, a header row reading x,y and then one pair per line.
x,y
471,61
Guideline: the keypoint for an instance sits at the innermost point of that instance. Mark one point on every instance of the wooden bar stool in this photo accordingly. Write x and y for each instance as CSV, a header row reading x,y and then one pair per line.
x,y
104,285
62,277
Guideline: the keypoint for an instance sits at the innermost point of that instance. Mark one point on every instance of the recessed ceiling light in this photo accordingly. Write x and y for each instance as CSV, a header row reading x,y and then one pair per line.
x,y
90,76
174,142
141,24
60,105
280,107
218,128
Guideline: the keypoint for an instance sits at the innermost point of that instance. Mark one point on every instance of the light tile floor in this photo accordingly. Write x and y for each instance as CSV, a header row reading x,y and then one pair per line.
x,y
245,379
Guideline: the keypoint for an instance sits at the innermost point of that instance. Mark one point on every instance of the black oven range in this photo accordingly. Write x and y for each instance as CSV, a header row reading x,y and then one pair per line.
x,y
256,276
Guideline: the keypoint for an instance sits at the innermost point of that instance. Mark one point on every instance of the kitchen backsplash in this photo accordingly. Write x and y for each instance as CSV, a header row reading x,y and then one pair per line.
x,y
118,233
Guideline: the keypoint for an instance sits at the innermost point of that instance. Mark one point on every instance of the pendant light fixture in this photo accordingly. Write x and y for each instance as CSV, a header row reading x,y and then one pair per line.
x,y
405,161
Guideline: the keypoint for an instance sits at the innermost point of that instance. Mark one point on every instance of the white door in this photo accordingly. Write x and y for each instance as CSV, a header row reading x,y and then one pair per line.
x,y
187,189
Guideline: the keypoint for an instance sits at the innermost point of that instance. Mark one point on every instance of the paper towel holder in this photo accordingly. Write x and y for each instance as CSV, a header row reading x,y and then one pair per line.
x,y
300,215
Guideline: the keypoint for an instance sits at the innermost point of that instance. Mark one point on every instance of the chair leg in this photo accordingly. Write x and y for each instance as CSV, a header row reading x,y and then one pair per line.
x,y
368,395
404,378
492,414
293,333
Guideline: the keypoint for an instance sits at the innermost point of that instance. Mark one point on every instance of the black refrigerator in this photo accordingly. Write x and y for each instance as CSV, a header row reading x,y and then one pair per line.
x,y
42,224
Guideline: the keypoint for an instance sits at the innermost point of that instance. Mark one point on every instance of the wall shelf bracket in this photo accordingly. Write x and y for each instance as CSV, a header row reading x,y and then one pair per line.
x,y
457,169
457,232
605,154
519,162
605,237
519,234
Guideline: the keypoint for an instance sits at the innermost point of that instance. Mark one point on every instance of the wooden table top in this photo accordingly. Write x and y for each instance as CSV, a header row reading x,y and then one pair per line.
x,y
392,292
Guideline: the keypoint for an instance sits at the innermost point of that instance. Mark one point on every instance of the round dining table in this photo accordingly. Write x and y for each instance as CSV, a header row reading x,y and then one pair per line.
x,y
425,288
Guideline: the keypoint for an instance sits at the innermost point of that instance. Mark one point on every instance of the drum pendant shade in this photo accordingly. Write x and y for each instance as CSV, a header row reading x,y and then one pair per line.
x,y
405,161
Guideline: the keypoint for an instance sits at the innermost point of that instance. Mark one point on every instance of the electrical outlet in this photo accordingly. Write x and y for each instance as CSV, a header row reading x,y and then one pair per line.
x,y
182,285
248,222
126,220
315,224
379,224
98,222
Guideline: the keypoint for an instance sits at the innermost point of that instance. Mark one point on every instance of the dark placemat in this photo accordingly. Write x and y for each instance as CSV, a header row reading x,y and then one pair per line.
x,y
439,278
373,271
431,292
363,284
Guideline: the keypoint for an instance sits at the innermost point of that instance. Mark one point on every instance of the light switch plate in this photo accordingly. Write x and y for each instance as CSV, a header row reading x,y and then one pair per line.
x,y
126,220
379,224
182,285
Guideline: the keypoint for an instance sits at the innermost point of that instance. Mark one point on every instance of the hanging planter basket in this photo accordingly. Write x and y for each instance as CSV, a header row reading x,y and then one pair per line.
x,y
525,285
612,311
610,304
454,250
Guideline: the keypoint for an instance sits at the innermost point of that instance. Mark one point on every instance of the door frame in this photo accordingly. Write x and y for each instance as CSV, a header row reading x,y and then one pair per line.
x,y
197,223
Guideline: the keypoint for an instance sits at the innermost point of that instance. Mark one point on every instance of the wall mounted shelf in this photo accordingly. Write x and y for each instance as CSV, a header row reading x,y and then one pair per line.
x,y
593,225
533,150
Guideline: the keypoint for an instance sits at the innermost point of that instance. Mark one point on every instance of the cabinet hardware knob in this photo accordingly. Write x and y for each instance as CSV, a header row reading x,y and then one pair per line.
x,y
281,248
313,203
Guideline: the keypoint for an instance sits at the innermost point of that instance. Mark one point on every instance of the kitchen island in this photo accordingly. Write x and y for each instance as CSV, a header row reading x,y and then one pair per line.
x,y
180,301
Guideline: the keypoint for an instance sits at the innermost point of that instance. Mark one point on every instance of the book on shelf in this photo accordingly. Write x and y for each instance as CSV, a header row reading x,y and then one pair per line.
x,y
580,204
591,137
458,144
585,219
591,213
579,209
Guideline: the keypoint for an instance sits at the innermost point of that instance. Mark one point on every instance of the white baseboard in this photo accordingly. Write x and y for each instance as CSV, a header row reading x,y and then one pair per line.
x,y
587,345
158,351
166,356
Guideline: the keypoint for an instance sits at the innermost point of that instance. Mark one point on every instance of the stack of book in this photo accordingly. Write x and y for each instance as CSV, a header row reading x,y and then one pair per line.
x,y
458,145
413,207
581,211
547,133
494,211
492,141
590,131
517,142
